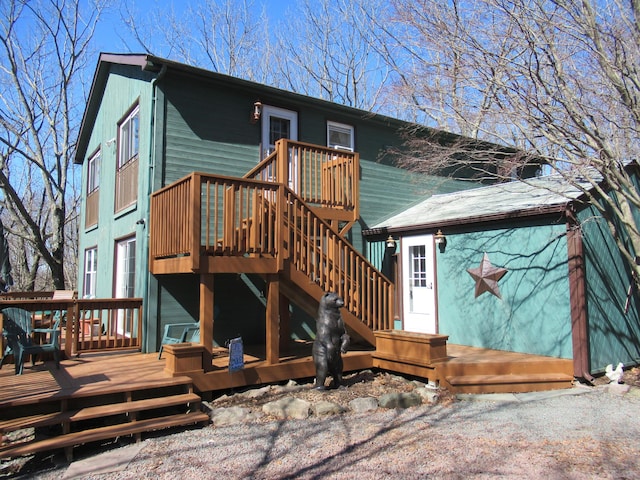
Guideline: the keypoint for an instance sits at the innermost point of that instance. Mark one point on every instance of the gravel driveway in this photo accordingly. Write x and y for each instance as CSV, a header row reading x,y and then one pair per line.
x,y
581,433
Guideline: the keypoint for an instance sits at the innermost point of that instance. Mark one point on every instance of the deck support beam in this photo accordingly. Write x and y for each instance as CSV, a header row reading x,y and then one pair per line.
x,y
273,319
577,295
206,319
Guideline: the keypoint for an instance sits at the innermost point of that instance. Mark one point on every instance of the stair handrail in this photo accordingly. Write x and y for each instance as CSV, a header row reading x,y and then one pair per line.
x,y
335,265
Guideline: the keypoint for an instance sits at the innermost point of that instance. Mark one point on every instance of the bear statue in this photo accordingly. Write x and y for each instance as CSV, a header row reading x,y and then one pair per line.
x,y
331,341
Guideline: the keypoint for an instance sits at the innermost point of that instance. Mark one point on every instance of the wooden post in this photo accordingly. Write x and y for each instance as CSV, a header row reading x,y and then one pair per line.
x,y
206,319
577,295
195,207
273,320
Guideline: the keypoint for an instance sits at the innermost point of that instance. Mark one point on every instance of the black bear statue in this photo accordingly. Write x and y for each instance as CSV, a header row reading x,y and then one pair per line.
x,y
331,341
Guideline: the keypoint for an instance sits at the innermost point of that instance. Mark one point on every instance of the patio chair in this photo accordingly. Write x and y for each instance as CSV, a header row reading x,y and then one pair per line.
x,y
18,331
179,333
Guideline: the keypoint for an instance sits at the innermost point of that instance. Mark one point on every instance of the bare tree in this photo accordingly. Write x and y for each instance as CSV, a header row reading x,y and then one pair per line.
x,y
226,36
558,80
44,47
326,49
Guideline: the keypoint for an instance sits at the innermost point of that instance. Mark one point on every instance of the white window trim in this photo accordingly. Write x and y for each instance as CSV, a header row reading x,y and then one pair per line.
x,y
345,128
93,171
124,157
90,272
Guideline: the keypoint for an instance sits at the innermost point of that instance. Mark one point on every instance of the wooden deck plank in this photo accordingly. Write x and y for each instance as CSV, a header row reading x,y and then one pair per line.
x,y
84,376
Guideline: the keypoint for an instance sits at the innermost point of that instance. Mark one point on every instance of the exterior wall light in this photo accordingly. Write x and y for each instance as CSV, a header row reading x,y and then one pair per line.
x,y
441,241
391,243
257,111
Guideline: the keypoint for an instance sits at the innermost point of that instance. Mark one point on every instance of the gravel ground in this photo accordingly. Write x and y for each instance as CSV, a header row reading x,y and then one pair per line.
x,y
582,433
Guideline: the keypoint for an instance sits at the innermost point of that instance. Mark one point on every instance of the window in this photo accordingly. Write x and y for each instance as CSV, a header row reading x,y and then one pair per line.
x,y
125,268
128,138
90,272
418,266
93,184
277,123
127,162
93,175
340,136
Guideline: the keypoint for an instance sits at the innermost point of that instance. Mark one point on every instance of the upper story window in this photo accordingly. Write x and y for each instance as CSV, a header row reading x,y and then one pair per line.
x,y
93,174
340,136
93,184
127,163
128,138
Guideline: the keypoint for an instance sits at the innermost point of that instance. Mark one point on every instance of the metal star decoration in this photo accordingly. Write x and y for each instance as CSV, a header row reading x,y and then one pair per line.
x,y
487,276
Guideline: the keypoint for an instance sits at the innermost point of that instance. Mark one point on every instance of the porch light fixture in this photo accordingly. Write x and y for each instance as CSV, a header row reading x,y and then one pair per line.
x,y
257,111
391,242
441,241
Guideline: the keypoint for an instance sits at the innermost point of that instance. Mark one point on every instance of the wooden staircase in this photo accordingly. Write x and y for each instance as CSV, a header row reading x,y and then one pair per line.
x,y
73,416
286,221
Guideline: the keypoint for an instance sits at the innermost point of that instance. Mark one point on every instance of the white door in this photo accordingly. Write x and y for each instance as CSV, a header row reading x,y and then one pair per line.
x,y
279,123
125,280
418,271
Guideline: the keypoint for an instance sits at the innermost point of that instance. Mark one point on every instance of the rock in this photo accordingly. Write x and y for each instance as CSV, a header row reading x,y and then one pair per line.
x,y
229,416
255,392
364,404
428,395
288,407
400,400
327,408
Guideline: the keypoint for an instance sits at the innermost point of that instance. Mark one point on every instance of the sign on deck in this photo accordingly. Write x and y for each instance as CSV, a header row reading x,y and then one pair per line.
x,y
236,354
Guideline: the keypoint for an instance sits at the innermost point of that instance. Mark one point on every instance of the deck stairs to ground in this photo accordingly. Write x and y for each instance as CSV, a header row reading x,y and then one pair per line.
x,y
30,425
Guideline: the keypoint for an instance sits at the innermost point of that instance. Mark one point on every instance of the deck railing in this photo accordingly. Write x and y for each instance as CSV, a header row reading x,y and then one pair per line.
x,y
245,218
87,325
318,251
319,175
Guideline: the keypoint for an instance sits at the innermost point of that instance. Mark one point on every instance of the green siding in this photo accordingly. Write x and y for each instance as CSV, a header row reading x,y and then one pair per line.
x,y
123,89
192,124
614,335
533,315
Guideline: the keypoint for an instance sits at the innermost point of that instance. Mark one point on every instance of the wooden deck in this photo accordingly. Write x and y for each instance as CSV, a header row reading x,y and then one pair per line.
x,y
138,393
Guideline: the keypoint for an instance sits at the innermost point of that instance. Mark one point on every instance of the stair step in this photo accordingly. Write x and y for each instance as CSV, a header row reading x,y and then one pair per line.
x,y
88,413
101,433
508,379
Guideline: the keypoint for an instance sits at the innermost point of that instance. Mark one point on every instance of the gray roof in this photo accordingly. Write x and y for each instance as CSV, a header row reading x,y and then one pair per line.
x,y
505,200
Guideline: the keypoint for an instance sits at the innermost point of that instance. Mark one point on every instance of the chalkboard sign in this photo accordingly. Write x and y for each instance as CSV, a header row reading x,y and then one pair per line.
x,y
236,354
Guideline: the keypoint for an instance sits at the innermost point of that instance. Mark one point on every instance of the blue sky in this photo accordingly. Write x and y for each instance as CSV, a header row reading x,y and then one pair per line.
x,y
110,33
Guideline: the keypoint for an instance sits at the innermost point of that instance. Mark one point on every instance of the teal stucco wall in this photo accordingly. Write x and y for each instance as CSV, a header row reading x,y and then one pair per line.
x,y
533,314
614,330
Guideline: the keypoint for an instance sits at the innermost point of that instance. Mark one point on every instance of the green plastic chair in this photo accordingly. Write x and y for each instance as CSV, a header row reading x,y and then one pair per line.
x,y
179,333
18,331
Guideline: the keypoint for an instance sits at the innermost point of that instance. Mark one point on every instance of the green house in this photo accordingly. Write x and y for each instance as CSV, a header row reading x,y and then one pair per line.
x,y
153,125
523,267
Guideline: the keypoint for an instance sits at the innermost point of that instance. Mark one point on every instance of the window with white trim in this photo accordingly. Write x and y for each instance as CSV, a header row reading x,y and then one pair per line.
x,y
90,272
93,190
93,172
127,162
128,138
340,136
